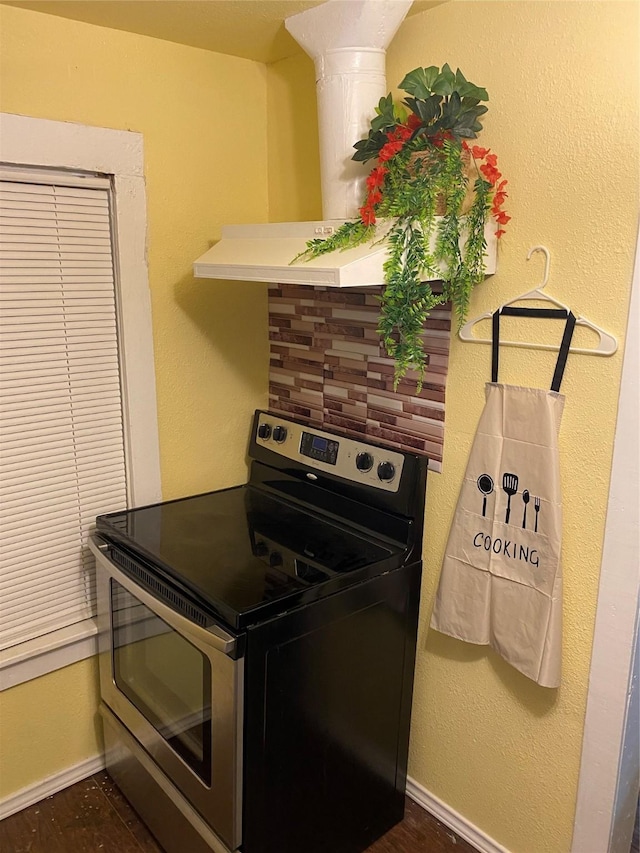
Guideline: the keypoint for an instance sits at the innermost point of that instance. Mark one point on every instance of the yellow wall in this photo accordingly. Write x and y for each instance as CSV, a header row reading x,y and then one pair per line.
x,y
294,164
48,725
563,118
203,118
563,80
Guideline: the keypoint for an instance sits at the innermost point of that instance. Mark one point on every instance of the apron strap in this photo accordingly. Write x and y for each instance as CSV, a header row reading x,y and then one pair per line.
x,y
561,363
548,313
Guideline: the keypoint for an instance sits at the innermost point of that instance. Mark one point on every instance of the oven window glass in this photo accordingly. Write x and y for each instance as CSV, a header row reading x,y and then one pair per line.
x,y
165,676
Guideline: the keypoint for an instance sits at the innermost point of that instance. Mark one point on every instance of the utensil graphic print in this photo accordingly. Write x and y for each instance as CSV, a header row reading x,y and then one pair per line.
x,y
525,498
485,486
536,506
510,486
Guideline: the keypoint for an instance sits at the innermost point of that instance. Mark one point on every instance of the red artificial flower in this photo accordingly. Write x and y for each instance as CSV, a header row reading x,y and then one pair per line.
x,y
397,134
397,138
479,153
389,150
491,173
367,215
376,177
439,139
489,170
498,199
502,218
465,145
413,122
374,197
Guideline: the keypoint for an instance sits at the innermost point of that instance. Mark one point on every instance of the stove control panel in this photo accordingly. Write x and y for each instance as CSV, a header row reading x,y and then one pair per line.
x,y
350,458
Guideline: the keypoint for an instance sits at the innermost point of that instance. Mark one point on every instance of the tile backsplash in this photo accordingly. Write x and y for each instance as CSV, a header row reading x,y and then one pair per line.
x,y
328,368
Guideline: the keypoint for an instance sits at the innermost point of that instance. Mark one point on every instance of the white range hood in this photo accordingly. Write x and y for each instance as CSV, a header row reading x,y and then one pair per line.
x,y
264,253
347,39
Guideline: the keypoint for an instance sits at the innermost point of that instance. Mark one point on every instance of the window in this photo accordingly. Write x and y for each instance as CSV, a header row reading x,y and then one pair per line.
x,y
61,431
78,431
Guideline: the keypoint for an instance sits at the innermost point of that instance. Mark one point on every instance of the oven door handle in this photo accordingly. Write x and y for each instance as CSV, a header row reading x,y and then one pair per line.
x,y
213,636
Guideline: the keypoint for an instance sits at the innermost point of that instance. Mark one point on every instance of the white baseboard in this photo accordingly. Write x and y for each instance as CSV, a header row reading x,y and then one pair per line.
x,y
455,821
449,817
34,793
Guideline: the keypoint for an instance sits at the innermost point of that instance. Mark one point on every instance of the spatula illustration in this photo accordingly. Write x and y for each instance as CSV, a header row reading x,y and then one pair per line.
x,y
510,486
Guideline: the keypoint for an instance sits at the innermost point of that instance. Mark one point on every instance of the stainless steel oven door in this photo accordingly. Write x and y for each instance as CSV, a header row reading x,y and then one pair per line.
x,y
176,688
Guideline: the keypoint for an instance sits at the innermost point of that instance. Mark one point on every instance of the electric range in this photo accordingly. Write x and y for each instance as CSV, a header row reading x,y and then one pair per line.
x,y
257,647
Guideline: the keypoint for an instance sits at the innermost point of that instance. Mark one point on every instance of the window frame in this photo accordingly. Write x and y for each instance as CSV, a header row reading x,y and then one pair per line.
x,y
46,144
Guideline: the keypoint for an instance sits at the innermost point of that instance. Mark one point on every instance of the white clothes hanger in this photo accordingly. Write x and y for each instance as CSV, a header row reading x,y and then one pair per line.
x,y
606,345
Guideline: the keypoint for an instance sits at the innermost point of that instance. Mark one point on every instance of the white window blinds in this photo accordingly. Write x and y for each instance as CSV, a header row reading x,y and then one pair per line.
x,y
61,434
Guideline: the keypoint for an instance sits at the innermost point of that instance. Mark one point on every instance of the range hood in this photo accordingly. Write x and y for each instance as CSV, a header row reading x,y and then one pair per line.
x,y
347,39
263,253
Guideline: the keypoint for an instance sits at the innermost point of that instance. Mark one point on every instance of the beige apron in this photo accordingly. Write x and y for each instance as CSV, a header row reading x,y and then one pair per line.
x,y
501,579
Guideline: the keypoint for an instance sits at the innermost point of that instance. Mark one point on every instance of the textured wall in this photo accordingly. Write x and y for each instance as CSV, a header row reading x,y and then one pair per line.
x,y
563,82
48,724
292,135
205,165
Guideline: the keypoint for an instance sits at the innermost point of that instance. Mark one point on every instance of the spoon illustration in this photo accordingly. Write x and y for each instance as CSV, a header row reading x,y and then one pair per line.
x,y
485,486
510,486
525,497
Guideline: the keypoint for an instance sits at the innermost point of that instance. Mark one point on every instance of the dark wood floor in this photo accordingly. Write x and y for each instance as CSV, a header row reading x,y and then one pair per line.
x,y
94,817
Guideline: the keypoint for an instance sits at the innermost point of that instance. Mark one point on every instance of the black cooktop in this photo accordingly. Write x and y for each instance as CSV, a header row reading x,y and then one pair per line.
x,y
244,555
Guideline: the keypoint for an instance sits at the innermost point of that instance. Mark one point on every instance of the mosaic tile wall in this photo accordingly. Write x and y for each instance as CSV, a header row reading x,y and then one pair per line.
x,y
328,368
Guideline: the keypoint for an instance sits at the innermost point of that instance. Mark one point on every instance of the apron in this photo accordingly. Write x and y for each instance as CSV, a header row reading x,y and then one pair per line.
x,y
501,579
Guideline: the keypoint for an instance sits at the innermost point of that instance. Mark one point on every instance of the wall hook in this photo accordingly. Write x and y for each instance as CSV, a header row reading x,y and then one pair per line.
x,y
547,263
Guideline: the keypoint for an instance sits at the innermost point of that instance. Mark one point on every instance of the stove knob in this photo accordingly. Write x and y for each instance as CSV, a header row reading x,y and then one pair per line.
x,y
386,471
264,431
279,434
364,462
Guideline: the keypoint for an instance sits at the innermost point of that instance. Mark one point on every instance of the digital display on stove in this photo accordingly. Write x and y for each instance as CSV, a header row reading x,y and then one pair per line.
x,y
317,447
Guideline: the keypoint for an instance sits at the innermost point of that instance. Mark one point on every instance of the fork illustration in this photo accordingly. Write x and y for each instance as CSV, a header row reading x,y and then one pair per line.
x,y
536,506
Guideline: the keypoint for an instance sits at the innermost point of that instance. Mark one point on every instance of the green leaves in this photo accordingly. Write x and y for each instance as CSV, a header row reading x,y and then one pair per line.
x,y
385,114
385,120
407,299
446,104
423,169
427,109
367,149
468,90
419,82
348,235
445,82
424,82
444,101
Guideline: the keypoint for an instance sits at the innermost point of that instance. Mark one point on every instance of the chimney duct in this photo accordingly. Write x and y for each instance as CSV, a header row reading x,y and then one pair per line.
x,y
347,40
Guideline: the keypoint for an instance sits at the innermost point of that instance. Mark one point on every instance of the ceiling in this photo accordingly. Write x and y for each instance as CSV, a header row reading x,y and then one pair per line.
x,y
252,29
